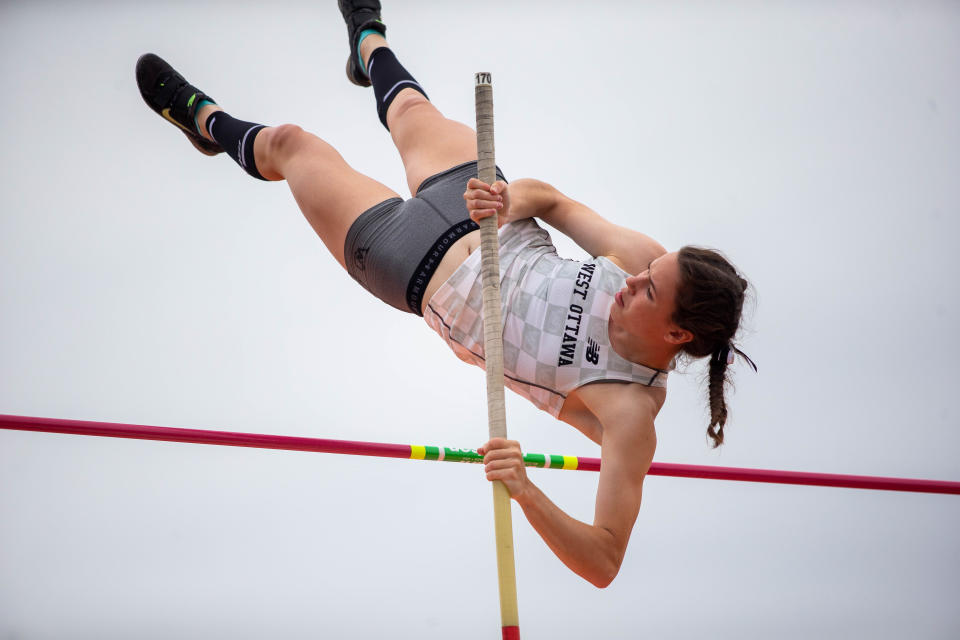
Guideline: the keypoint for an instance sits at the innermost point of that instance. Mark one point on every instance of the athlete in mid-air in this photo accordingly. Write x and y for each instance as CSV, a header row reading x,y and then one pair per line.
x,y
589,342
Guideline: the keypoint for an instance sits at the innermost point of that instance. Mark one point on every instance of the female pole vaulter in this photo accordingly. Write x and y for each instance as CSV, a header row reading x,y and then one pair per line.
x,y
590,342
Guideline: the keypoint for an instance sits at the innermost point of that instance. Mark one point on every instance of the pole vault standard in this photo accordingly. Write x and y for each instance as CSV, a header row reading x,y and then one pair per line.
x,y
446,454
493,358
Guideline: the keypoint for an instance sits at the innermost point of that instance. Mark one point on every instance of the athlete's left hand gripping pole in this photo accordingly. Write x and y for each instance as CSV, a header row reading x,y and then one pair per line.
x,y
493,353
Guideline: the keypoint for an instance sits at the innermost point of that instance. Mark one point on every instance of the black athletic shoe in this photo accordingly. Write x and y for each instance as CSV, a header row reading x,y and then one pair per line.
x,y
359,15
166,92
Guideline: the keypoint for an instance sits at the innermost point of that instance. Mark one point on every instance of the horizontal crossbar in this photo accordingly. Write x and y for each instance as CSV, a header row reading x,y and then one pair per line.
x,y
447,454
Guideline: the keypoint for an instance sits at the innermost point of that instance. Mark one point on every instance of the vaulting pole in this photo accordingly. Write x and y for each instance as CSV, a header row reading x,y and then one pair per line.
x,y
493,356
452,454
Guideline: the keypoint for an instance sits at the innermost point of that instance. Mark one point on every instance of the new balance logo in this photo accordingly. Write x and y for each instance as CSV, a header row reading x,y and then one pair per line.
x,y
593,351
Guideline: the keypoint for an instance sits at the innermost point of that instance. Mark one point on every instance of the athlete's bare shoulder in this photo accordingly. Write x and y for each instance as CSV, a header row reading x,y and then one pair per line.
x,y
594,407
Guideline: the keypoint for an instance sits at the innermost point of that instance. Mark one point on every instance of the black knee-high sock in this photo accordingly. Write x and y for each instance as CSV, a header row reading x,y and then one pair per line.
x,y
236,137
388,78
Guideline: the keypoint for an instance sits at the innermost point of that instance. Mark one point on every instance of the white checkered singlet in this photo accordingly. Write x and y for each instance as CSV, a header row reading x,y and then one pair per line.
x,y
555,314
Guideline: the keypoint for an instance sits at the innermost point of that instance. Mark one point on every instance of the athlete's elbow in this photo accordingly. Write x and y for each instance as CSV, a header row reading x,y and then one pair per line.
x,y
604,575
605,568
607,563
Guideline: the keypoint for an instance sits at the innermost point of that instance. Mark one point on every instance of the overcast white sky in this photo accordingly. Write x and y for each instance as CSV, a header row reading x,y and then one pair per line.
x,y
818,144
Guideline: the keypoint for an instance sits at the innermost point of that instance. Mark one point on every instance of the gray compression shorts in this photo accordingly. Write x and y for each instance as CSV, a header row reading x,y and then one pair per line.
x,y
394,247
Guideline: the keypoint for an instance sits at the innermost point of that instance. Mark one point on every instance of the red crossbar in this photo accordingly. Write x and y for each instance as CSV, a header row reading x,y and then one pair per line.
x,y
358,448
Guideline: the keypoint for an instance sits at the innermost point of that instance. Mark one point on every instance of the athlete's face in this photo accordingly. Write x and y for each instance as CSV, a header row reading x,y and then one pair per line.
x,y
644,307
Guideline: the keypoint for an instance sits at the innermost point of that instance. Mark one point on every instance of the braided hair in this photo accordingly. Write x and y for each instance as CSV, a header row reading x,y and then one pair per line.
x,y
709,302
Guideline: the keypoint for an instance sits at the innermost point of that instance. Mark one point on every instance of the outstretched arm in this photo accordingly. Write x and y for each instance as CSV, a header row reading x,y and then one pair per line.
x,y
527,198
594,552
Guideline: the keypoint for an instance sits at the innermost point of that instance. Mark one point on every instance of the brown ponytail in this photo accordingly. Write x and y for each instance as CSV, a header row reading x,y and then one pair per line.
x,y
718,405
709,303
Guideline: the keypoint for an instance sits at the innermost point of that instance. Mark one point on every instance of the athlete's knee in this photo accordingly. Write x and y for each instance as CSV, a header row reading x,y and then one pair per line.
x,y
276,147
409,101
284,139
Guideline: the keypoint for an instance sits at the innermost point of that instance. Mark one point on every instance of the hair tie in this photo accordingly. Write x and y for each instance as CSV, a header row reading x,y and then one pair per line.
x,y
733,350
725,355
728,352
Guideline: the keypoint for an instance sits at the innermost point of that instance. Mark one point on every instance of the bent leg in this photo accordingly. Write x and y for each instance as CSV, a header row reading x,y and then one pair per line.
x,y
329,192
427,141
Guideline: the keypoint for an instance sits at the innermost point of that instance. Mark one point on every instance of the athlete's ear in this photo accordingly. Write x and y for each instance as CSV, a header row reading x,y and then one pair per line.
x,y
676,335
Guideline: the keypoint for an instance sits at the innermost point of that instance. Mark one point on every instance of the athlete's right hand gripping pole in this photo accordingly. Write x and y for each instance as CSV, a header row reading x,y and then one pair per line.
x,y
493,353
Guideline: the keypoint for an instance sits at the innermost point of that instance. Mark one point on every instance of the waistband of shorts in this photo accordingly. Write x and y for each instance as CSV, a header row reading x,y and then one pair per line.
x,y
428,265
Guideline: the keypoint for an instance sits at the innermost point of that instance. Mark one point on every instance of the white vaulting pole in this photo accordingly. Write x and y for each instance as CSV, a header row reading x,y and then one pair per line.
x,y
493,353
